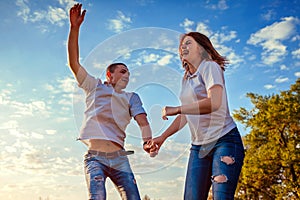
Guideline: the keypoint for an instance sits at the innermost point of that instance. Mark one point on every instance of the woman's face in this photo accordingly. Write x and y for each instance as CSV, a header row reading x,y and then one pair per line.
x,y
190,50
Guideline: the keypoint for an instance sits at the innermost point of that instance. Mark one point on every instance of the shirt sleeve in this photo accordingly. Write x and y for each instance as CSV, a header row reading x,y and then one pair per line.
x,y
87,83
212,74
136,105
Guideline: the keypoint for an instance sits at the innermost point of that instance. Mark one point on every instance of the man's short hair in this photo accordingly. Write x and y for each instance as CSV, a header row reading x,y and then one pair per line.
x,y
111,68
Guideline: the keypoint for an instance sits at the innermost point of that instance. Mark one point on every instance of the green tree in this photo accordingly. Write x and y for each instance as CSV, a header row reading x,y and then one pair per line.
x,y
272,163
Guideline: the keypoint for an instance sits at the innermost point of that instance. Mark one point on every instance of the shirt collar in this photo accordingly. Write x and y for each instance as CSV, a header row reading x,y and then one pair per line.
x,y
190,76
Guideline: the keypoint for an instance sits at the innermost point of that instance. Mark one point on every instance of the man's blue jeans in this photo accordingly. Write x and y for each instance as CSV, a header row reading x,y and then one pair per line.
x,y
218,163
98,168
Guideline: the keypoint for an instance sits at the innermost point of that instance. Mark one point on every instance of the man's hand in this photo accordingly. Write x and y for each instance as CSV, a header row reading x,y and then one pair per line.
x,y
151,148
76,17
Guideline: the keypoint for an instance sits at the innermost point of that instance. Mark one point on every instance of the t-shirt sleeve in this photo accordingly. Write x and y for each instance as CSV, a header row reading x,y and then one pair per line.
x,y
136,105
212,74
86,81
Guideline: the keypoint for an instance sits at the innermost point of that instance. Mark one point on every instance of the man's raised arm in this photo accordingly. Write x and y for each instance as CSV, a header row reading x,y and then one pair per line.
x,y
76,19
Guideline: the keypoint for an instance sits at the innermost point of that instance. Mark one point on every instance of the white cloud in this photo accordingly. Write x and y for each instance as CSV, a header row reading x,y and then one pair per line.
x,y
221,5
277,31
295,38
120,23
29,109
24,10
66,91
10,149
37,135
252,57
67,3
269,86
10,124
297,74
66,84
233,58
186,24
63,119
227,37
125,52
50,88
281,80
283,67
145,2
18,133
249,54
270,14
270,39
274,51
66,102
204,29
54,15
5,95
39,105
218,42
150,58
50,132
296,53
36,158
165,60
57,16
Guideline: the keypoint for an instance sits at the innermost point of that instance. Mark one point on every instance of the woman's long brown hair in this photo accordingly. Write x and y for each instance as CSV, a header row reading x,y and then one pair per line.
x,y
204,41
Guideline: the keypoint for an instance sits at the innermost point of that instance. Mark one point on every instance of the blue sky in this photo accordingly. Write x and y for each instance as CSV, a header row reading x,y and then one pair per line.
x,y
41,106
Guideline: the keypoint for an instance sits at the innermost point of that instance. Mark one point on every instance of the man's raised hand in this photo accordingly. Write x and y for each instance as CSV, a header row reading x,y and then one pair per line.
x,y
76,16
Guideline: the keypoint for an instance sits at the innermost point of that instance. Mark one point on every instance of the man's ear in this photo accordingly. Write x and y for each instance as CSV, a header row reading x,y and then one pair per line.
x,y
108,74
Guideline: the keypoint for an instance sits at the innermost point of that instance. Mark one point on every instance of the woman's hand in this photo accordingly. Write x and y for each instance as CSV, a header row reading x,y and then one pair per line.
x,y
159,141
170,111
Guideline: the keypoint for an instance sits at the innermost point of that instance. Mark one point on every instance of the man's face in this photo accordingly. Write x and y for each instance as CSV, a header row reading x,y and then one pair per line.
x,y
120,77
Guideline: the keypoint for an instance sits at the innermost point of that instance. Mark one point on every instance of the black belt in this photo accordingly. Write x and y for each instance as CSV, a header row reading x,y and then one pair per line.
x,y
114,154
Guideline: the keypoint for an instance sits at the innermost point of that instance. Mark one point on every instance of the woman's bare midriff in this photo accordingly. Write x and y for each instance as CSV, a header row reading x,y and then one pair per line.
x,y
104,145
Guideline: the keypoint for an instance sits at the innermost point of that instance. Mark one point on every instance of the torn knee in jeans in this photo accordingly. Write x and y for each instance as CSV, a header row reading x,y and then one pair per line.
x,y
219,178
229,160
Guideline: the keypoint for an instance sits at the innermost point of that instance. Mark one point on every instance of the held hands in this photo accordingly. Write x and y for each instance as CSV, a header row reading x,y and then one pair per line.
x,y
76,16
159,141
151,147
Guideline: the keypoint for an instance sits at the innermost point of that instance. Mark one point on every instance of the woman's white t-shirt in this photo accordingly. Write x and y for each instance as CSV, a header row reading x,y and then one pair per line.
x,y
206,128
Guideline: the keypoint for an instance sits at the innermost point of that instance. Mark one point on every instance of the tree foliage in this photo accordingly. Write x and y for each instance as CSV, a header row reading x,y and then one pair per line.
x,y
272,164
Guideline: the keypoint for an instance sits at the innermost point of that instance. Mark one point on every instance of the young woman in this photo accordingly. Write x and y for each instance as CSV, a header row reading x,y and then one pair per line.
x,y
217,153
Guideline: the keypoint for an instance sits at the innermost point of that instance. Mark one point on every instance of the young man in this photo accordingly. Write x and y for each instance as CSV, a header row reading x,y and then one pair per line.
x,y
108,112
